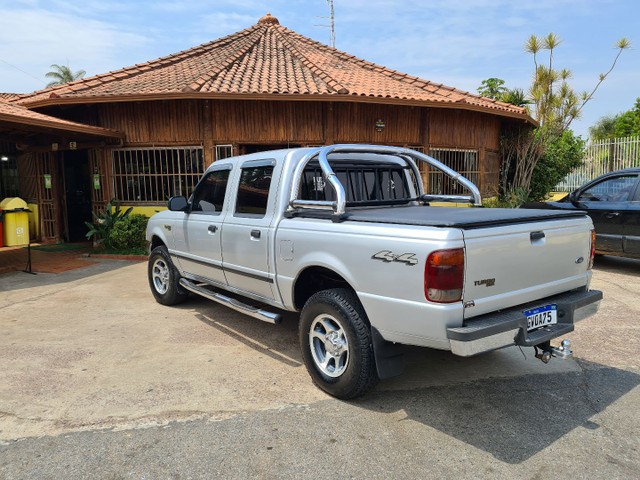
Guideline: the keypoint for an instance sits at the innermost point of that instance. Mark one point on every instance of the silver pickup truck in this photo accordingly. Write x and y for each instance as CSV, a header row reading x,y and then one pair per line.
x,y
346,236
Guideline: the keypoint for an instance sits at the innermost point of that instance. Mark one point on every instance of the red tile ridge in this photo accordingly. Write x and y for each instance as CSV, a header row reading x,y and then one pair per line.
x,y
335,85
197,84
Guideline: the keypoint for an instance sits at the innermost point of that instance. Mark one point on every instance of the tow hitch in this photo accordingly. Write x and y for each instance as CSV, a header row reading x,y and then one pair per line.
x,y
545,351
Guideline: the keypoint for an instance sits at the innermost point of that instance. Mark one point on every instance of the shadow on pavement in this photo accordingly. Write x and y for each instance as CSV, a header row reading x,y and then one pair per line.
x,y
621,265
20,280
279,342
511,418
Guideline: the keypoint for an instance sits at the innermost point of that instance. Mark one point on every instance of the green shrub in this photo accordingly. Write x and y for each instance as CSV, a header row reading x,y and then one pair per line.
x,y
104,221
512,199
128,234
562,155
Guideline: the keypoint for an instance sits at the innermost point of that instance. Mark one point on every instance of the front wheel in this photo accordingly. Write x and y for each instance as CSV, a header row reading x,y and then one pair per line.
x,y
164,278
336,344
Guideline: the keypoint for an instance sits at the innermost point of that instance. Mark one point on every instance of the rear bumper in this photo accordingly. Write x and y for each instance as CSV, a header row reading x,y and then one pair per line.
x,y
509,327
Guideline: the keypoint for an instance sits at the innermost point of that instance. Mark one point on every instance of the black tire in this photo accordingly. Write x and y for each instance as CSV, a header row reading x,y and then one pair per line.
x,y
164,278
335,338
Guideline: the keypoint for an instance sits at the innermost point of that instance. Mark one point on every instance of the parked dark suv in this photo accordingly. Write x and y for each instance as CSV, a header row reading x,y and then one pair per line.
x,y
613,203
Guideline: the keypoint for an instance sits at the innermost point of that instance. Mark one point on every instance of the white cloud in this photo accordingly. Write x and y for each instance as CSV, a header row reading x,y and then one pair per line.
x,y
33,39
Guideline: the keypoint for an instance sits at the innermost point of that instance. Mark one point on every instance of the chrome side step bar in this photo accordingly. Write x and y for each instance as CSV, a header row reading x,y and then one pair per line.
x,y
238,306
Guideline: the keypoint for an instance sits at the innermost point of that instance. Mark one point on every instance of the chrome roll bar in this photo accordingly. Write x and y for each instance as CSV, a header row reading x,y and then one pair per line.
x,y
410,156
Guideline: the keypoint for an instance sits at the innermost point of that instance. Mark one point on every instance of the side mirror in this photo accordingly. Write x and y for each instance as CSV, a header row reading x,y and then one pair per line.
x,y
178,204
574,196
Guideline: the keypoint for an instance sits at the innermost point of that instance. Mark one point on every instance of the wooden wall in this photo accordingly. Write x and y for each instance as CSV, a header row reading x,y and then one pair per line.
x,y
176,122
356,123
462,129
252,122
267,122
198,122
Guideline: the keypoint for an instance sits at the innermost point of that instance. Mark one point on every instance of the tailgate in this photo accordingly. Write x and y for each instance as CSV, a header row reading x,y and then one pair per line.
x,y
511,265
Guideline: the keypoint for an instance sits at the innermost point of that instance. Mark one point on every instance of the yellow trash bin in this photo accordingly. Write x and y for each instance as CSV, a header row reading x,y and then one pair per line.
x,y
16,221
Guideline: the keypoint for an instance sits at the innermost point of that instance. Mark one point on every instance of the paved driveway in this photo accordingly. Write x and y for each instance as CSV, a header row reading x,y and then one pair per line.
x,y
99,381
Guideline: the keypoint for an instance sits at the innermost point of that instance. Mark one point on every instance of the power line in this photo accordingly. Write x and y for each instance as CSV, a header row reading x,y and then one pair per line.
x,y
20,70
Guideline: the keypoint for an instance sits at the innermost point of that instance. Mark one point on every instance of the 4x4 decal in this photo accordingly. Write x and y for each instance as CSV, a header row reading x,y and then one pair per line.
x,y
388,256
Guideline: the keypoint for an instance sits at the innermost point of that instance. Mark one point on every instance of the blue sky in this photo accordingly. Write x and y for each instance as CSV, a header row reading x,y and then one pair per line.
x,y
458,43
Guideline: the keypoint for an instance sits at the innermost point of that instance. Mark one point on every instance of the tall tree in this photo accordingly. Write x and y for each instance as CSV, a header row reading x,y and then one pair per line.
x,y
517,97
625,124
628,123
62,74
492,88
604,128
554,105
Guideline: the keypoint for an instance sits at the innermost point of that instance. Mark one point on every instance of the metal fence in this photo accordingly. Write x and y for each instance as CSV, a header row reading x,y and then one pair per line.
x,y
603,157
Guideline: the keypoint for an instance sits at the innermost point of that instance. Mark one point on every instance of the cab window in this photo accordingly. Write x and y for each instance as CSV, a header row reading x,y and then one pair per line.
x,y
209,194
617,189
253,191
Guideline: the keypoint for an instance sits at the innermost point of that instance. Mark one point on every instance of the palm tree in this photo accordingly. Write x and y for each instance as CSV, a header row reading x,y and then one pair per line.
x,y
515,97
62,74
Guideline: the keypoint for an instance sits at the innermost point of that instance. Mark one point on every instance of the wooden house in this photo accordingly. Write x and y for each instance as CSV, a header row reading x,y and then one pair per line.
x,y
262,88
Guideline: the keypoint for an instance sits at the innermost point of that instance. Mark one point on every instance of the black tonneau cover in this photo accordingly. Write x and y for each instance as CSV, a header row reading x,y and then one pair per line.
x,y
452,217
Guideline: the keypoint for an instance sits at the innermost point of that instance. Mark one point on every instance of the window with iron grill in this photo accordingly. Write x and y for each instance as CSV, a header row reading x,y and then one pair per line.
x,y
224,151
153,175
462,161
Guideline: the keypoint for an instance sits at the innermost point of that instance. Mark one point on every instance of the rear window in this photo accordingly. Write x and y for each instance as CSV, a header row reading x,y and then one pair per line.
x,y
363,184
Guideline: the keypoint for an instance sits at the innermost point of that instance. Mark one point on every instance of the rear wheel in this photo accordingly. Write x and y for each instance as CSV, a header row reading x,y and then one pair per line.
x,y
336,343
164,278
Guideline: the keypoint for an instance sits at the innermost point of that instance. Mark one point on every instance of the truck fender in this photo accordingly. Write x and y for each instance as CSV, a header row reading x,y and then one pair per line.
x,y
157,236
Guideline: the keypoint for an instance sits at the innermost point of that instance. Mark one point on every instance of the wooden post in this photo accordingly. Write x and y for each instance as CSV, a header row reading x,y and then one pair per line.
x,y
207,133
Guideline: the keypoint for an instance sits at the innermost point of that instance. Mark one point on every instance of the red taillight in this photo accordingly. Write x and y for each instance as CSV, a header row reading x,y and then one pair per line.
x,y
444,276
592,254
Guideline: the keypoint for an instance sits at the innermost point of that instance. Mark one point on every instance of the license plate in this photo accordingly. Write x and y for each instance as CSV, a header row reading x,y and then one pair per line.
x,y
541,316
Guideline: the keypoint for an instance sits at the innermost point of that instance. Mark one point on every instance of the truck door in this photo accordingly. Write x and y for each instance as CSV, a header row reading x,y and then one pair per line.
x,y
202,227
246,239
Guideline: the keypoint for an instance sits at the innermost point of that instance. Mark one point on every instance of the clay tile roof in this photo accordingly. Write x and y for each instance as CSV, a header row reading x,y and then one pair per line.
x,y
11,113
8,97
265,59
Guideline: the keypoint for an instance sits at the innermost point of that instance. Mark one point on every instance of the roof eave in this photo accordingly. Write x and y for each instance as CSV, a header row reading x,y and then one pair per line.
x,y
53,125
77,100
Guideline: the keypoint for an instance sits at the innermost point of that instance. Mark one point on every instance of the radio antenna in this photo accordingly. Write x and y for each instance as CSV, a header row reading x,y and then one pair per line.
x,y
332,24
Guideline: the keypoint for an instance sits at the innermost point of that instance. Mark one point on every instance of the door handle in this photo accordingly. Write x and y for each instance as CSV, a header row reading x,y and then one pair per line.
x,y
255,233
212,228
536,236
611,215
